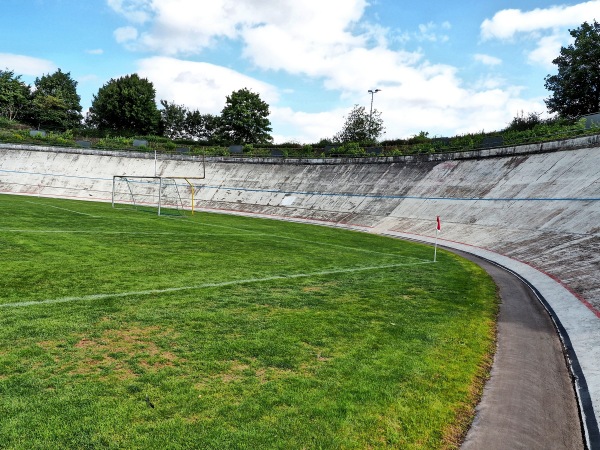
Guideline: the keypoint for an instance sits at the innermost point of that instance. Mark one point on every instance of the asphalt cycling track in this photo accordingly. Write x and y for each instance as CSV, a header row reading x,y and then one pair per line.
x,y
529,402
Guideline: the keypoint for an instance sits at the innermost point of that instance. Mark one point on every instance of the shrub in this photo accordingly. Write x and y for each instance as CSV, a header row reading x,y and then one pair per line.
x,y
524,123
115,142
350,149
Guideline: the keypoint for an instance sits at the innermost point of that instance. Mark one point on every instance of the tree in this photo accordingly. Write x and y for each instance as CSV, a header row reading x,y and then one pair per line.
x,y
204,127
14,95
576,87
524,123
361,127
127,106
173,118
55,102
244,119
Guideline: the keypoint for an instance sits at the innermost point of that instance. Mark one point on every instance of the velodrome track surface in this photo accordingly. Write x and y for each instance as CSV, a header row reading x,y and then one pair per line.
x,y
528,403
534,209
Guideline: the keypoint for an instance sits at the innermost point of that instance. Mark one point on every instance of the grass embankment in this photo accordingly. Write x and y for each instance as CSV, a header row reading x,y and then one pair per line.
x,y
544,131
121,329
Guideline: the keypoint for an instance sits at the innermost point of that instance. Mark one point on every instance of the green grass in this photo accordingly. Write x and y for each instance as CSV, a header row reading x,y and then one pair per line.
x,y
242,333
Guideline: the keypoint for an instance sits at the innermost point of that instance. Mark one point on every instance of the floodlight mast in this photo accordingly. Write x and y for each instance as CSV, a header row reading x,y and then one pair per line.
x,y
372,92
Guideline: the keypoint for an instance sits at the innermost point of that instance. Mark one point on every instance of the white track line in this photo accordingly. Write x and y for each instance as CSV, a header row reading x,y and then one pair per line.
x,y
206,285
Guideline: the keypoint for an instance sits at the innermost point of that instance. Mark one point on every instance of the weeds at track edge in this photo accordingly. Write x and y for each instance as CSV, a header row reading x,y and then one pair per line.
x,y
453,436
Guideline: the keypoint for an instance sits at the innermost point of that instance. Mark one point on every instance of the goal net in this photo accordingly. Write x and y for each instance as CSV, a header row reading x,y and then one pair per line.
x,y
160,195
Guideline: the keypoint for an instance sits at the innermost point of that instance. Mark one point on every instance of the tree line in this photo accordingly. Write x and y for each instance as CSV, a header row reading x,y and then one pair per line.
x,y
51,102
126,106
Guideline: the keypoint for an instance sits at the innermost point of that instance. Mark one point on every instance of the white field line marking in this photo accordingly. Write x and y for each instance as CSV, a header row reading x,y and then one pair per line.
x,y
306,241
207,285
149,233
246,233
63,209
250,232
345,247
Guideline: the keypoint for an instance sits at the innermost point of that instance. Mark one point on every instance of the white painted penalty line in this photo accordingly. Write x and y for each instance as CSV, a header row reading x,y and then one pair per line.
x,y
207,285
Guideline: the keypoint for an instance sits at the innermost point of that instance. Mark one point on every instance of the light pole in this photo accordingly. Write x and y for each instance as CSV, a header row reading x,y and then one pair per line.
x,y
372,92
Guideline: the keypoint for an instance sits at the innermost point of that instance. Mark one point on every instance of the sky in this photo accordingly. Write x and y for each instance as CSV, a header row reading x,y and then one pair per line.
x,y
445,67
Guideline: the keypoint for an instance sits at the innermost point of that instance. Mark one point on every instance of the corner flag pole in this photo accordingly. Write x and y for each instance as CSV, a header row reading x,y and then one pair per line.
x,y
437,230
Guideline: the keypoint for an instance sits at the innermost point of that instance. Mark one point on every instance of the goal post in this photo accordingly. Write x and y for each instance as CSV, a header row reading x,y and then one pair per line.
x,y
162,193
192,188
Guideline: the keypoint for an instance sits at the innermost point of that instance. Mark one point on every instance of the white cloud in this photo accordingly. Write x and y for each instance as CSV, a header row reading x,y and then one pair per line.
x,y
507,23
429,32
548,48
303,127
136,11
189,26
125,34
489,82
96,51
546,27
199,85
26,65
487,59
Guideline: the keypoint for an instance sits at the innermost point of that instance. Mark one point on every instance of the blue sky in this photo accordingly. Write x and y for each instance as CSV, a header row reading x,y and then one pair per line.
x,y
445,67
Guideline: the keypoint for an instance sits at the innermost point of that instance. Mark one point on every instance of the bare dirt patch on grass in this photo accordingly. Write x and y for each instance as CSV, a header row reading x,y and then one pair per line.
x,y
122,353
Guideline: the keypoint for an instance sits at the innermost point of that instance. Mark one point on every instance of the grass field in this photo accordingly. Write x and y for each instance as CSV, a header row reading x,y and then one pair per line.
x,y
122,329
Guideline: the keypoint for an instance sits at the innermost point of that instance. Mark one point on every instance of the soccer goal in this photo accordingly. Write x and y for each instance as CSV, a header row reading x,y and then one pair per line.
x,y
165,195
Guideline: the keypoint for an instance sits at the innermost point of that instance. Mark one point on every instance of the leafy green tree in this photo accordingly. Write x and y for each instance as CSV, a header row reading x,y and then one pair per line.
x,y
173,119
576,87
421,138
126,106
203,127
245,119
14,95
55,102
361,127
521,122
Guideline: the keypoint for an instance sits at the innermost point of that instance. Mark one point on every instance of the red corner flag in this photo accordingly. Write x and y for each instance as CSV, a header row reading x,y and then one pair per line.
x,y
437,230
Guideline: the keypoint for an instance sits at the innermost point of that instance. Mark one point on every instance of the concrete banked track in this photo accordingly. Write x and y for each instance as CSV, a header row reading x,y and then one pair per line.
x,y
534,209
